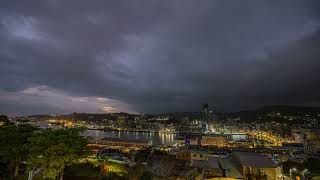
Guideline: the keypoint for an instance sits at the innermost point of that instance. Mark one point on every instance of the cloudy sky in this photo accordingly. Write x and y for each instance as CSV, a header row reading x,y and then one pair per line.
x,y
60,56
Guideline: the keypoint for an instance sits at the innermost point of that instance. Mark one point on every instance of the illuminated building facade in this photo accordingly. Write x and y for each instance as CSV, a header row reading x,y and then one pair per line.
x,y
214,140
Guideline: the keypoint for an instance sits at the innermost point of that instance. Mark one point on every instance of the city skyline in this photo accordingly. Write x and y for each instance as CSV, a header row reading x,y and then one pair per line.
x,y
157,56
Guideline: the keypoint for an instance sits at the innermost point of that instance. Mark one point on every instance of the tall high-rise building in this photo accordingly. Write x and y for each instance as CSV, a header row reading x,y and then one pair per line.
x,y
205,117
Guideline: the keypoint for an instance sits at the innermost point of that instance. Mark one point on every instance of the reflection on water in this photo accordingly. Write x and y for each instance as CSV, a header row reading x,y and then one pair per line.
x,y
156,138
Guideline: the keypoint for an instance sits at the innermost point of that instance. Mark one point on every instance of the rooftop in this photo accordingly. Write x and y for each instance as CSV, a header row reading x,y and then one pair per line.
x,y
254,160
230,168
210,164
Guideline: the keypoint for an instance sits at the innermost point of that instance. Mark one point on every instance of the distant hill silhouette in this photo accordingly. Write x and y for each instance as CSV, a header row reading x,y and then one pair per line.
x,y
287,108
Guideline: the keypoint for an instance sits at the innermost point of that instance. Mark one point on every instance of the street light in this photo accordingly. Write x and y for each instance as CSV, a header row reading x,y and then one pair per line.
x,y
292,170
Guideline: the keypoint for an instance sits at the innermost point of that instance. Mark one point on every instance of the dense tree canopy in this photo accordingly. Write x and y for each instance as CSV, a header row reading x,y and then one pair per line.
x,y
47,150
13,140
53,150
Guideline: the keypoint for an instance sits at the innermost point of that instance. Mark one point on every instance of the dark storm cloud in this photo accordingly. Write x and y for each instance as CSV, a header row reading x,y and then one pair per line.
x,y
157,56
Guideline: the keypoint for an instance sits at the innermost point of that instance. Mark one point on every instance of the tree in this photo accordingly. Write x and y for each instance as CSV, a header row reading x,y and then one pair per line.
x,y
146,176
136,171
53,150
113,176
3,118
13,140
